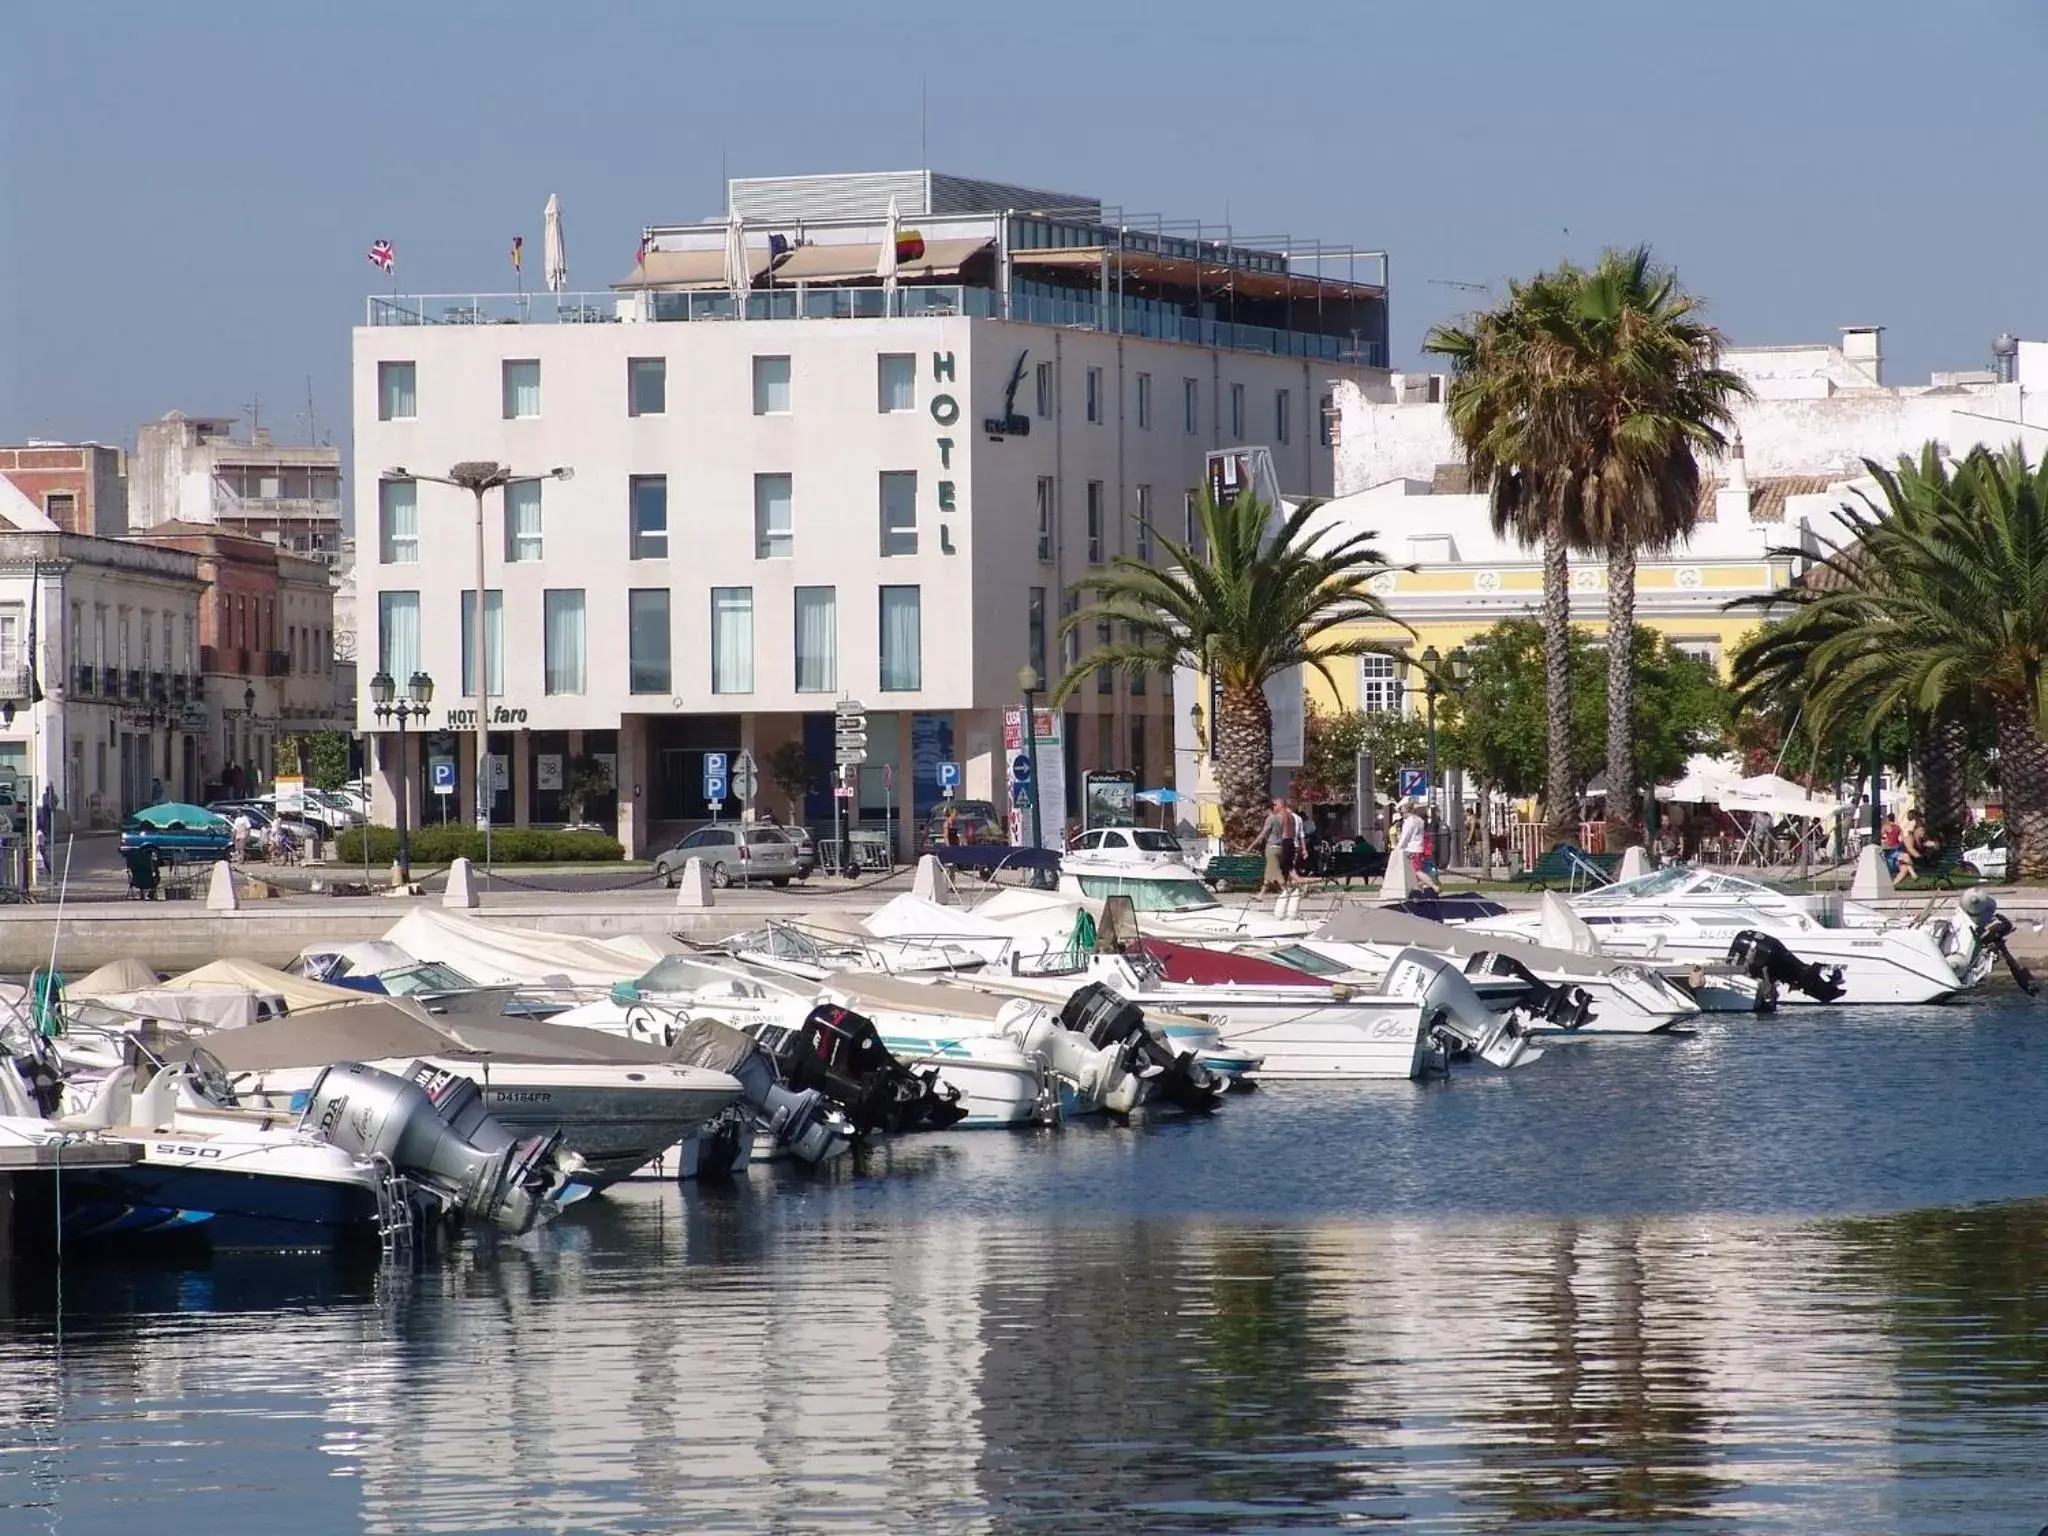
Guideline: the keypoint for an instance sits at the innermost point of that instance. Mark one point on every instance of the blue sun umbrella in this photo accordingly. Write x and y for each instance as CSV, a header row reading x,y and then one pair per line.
x,y
175,815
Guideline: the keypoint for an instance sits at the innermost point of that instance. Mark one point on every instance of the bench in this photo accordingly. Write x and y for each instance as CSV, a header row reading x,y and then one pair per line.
x,y
1224,870
1945,872
1573,868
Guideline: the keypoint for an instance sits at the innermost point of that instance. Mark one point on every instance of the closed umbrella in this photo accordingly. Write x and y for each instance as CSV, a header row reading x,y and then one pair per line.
x,y
738,276
885,262
556,255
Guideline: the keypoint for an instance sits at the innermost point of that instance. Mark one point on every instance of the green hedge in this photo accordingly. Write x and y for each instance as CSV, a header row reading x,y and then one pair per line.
x,y
509,845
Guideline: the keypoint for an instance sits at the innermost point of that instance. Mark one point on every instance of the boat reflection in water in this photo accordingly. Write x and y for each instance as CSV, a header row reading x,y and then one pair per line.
x,y
791,1355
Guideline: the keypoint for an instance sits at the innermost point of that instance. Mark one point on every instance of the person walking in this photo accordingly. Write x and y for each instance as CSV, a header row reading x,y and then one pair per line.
x,y
242,827
1304,847
1891,838
1413,844
1272,837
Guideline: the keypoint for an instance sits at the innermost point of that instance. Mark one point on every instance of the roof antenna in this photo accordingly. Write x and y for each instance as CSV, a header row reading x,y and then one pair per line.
x,y
923,153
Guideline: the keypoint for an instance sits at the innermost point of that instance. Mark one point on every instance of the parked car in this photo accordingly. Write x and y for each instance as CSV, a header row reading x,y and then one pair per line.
x,y
1138,844
744,854
1990,859
978,821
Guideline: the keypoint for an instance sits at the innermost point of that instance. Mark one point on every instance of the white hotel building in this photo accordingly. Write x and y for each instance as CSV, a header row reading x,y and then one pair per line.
x,y
820,488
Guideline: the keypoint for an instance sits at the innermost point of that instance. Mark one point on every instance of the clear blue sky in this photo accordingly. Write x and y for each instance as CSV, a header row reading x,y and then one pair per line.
x,y
187,190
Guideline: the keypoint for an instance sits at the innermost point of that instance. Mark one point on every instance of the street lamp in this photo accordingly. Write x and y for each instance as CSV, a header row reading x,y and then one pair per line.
x,y
420,693
1430,662
1029,682
477,476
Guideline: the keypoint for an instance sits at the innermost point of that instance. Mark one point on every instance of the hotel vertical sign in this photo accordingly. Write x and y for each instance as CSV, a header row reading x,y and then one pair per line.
x,y
946,412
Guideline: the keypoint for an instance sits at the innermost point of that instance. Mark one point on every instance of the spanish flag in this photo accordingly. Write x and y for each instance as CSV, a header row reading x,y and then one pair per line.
x,y
909,245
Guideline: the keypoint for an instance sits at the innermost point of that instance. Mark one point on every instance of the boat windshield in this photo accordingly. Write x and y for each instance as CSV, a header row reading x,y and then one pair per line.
x,y
1306,960
1151,893
1663,882
427,976
681,973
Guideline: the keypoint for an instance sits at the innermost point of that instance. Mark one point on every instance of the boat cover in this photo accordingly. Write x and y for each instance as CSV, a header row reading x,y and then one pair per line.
x,y
124,975
1190,966
298,993
384,1028
205,1007
866,991
714,1046
988,857
1362,924
493,955
914,917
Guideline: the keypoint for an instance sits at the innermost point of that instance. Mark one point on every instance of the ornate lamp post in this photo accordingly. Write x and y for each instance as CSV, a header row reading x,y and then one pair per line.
x,y
383,690
1029,682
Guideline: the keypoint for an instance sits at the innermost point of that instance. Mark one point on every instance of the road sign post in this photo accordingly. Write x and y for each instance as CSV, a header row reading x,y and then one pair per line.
x,y
745,780
1411,783
715,781
850,750
949,779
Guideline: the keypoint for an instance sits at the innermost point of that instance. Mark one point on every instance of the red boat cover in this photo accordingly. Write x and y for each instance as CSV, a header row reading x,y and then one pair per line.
x,y
1194,966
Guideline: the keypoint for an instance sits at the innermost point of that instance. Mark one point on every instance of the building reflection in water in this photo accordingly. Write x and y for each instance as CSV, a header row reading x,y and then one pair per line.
x,y
790,1356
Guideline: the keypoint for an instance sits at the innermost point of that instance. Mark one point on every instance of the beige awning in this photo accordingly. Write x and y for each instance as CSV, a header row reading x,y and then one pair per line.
x,y
689,269
1184,272
842,263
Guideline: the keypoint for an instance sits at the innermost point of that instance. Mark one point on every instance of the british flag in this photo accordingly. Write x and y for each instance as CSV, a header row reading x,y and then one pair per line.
x,y
383,256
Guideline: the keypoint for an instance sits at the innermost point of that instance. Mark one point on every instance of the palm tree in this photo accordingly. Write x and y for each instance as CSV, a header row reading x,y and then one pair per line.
x,y
1934,601
1580,404
1264,597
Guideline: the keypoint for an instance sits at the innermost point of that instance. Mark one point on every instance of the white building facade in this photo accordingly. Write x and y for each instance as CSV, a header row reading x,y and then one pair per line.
x,y
851,492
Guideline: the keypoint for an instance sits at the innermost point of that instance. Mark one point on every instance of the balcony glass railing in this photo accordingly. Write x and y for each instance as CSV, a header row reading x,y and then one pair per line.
x,y
1082,310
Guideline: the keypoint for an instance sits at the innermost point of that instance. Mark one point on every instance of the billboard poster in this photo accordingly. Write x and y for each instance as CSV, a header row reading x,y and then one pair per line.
x,y
1109,798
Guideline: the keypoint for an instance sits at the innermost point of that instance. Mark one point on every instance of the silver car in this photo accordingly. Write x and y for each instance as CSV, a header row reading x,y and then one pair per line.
x,y
744,854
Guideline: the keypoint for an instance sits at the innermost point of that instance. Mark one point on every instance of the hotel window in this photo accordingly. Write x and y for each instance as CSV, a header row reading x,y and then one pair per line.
x,y
1070,639
650,517
1190,405
1094,380
1237,413
1105,677
1137,729
562,647
902,664
1095,549
896,382
647,662
1379,686
398,522
522,388
148,642
646,386
732,639
899,512
1105,742
1144,401
1044,376
494,642
1283,403
817,640
771,386
1144,517
772,537
1035,641
1191,520
61,508
398,635
1326,412
1137,676
396,400
522,521
188,643
1045,518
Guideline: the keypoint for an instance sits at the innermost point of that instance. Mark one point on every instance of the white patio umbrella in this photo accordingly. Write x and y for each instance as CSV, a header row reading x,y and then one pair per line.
x,y
885,262
555,255
739,275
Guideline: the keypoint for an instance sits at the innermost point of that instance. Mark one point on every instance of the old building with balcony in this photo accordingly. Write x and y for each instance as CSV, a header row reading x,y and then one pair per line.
x,y
265,663
99,695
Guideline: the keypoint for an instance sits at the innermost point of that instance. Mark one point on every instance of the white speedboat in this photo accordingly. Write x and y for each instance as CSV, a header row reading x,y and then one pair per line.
x,y
1812,948
1169,899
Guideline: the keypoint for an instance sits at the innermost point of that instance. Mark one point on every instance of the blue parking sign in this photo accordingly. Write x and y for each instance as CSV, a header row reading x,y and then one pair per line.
x,y
714,765
1411,783
949,775
714,786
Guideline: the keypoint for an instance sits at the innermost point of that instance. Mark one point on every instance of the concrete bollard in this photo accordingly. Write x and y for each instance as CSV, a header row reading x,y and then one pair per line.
x,y
1635,863
461,890
693,889
1873,875
220,889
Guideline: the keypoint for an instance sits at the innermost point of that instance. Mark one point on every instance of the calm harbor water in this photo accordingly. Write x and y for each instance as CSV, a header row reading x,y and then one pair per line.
x,y
1785,1275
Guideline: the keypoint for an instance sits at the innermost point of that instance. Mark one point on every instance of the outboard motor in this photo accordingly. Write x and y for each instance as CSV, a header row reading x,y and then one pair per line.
x,y
1456,1017
1109,1020
1992,928
840,1053
803,1120
512,1183
1567,1007
1771,965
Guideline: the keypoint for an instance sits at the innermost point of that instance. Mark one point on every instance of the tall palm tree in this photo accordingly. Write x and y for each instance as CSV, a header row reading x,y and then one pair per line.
x,y
1581,403
1934,599
1260,598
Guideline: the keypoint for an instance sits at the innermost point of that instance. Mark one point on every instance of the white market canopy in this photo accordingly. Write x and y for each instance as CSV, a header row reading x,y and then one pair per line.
x,y
1768,794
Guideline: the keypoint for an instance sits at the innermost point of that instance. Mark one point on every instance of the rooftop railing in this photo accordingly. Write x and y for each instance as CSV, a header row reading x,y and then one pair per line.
x,y
799,302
